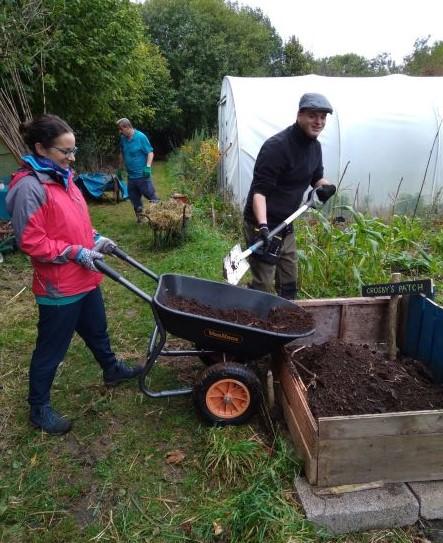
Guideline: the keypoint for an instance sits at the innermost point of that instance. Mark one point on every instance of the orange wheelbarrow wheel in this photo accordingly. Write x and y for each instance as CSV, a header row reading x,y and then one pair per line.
x,y
227,393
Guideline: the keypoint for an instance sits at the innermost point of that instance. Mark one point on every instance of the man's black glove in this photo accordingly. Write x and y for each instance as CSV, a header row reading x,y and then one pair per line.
x,y
263,233
325,192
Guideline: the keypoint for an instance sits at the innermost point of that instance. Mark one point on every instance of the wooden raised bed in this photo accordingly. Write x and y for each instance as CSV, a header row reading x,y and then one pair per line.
x,y
390,447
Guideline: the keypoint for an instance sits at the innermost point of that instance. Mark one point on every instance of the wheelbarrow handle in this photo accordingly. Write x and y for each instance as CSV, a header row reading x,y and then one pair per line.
x,y
113,274
123,256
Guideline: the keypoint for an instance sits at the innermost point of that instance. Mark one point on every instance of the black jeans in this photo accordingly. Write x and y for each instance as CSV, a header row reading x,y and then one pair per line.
x,y
56,326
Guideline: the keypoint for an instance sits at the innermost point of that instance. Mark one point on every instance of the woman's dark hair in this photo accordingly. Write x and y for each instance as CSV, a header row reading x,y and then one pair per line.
x,y
44,129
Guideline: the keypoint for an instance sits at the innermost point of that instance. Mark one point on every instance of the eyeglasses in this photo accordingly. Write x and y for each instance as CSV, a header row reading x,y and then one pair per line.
x,y
66,152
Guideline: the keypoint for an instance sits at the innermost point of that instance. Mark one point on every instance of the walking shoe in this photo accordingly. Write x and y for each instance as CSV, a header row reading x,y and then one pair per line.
x,y
120,372
51,422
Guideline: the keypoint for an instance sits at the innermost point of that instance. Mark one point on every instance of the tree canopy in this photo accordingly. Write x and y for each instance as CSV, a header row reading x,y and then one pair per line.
x,y
204,40
425,60
90,61
160,63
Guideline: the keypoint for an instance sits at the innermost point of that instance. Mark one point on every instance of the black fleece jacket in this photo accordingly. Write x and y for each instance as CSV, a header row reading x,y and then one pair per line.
x,y
286,165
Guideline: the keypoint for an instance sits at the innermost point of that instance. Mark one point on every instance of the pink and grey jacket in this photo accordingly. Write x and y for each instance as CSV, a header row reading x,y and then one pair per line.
x,y
51,224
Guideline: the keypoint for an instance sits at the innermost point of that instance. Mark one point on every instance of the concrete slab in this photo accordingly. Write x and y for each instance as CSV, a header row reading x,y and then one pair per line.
x,y
392,505
430,498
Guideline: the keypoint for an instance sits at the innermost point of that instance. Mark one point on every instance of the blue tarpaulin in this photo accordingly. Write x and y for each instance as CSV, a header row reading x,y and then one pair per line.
x,y
424,334
95,184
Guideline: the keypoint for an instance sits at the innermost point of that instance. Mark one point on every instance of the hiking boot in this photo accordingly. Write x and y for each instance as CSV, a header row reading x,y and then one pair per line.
x,y
51,422
139,214
120,372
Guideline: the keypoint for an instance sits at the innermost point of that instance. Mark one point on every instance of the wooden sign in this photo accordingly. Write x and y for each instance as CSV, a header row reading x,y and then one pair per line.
x,y
419,286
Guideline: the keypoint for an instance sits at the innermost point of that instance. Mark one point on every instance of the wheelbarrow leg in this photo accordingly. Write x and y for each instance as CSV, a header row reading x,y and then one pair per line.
x,y
156,344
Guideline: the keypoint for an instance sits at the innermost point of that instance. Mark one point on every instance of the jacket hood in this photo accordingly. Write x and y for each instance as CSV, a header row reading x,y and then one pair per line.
x,y
24,171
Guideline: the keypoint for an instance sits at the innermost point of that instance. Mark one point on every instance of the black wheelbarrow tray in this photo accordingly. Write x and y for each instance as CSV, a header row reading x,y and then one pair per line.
x,y
227,391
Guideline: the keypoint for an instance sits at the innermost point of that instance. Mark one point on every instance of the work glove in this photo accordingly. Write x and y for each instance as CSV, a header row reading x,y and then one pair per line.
x,y
147,171
104,245
263,233
86,258
325,192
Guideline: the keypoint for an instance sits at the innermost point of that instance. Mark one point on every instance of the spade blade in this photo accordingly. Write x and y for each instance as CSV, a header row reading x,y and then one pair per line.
x,y
234,265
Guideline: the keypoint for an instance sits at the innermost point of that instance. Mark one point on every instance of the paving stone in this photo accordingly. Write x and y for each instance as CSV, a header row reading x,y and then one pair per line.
x,y
430,498
392,505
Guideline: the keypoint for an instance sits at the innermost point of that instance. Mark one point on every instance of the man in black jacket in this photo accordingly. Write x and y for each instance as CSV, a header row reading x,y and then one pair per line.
x,y
287,164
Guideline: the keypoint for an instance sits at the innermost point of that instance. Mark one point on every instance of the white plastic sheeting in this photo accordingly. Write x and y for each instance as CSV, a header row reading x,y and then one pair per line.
x,y
386,130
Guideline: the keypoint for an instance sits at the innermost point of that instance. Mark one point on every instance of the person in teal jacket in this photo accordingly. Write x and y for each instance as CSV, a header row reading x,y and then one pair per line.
x,y
137,154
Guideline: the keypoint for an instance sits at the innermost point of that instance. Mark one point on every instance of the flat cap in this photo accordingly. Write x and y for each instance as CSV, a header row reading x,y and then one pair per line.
x,y
312,100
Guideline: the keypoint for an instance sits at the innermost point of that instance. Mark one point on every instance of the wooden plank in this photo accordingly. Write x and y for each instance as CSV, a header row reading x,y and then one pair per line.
x,y
393,320
380,458
387,424
366,324
300,408
359,300
359,320
344,489
342,327
327,319
301,446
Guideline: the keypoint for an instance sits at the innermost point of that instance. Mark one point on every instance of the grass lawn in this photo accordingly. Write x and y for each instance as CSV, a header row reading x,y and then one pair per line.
x,y
135,469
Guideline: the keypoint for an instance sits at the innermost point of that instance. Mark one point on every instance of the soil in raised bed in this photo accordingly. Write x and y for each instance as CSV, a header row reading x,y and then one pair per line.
x,y
286,320
349,379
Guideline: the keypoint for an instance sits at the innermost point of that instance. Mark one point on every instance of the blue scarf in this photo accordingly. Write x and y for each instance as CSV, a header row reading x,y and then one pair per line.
x,y
46,165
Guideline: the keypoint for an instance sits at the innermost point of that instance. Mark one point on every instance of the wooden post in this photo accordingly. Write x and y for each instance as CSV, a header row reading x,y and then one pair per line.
x,y
270,389
392,320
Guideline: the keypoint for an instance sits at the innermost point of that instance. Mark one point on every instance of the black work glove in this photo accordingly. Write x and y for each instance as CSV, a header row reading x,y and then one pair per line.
x,y
263,233
325,192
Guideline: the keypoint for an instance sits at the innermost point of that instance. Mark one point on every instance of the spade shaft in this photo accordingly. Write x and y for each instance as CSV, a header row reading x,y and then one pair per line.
x,y
235,264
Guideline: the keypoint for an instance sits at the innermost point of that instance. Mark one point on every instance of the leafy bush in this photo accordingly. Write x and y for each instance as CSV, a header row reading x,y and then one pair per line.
x,y
195,163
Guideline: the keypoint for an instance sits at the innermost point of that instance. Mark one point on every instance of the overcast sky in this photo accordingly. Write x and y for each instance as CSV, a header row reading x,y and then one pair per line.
x,y
364,27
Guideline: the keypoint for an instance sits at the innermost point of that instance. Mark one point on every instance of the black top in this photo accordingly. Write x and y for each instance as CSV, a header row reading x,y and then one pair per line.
x,y
286,165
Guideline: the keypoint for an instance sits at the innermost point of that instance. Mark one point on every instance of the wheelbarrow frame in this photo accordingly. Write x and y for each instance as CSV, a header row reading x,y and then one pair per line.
x,y
235,339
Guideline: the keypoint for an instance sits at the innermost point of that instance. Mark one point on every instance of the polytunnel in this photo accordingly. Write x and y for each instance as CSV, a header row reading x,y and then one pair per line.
x,y
382,143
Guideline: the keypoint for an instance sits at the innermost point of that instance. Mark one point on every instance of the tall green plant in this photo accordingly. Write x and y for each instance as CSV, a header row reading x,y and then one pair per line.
x,y
336,259
195,163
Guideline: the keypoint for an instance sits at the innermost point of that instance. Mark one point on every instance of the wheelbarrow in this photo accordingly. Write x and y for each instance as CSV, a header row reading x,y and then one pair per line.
x,y
225,392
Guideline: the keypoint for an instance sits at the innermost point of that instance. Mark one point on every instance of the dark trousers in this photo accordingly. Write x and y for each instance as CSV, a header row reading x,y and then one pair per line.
x,y
281,276
142,186
56,326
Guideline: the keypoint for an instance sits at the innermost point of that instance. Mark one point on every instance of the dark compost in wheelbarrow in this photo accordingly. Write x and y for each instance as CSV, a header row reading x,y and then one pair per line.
x,y
279,319
223,334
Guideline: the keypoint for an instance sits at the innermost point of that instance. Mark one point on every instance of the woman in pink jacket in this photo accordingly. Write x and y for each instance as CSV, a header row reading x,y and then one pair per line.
x,y
52,225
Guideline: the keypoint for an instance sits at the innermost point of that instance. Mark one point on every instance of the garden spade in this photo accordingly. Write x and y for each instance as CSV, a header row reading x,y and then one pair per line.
x,y
235,264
